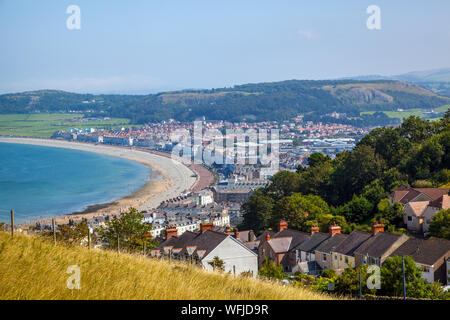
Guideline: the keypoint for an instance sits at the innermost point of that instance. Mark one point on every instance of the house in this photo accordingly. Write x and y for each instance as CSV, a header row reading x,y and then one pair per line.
x,y
324,251
433,207
406,194
342,255
448,271
306,250
378,247
201,248
418,215
431,255
280,247
412,215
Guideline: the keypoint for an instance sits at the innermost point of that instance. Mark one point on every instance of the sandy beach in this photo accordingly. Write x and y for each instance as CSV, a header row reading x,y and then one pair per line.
x,y
169,178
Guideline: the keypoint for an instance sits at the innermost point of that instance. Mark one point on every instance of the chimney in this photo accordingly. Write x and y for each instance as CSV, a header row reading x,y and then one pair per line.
x,y
206,226
268,236
237,233
377,227
314,229
171,231
228,230
334,229
282,225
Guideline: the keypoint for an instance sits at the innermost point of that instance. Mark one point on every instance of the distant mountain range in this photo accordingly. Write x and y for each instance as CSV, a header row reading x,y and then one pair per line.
x,y
250,102
437,80
437,75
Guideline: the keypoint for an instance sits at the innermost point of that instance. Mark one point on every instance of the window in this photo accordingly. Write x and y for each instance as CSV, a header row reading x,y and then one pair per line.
x,y
335,257
346,260
425,269
340,258
324,257
409,218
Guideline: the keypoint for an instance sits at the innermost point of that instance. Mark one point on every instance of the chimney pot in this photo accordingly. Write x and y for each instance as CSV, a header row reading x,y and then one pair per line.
x,y
237,233
171,231
377,227
268,236
206,226
282,225
314,229
334,229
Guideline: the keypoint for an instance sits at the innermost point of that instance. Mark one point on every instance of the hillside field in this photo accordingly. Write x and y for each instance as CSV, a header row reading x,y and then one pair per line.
x,y
34,268
44,125
411,112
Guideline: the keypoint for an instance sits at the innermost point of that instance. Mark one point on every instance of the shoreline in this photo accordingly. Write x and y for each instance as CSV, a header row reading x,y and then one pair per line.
x,y
169,178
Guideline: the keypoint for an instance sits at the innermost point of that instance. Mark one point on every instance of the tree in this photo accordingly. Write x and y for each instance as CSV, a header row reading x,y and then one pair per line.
x,y
74,233
129,228
392,278
317,158
440,224
359,168
258,211
392,214
217,264
357,210
348,282
283,184
270,270
415,130
297,209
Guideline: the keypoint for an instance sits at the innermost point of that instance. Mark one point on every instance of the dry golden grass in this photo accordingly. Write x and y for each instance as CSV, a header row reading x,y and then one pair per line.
x,y
33,268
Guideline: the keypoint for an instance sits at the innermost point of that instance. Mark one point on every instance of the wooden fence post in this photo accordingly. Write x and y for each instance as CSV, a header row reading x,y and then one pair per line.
x,y
54,230
12,223
89,238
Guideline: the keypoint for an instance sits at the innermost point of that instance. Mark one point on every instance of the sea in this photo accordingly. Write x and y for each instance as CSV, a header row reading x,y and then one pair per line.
x,y
42,182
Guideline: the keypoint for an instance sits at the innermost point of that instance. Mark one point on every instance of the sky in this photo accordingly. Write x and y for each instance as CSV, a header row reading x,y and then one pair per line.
x,y
147,46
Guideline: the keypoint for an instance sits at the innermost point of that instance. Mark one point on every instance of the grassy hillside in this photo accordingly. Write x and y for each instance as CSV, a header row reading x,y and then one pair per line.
x,y
31,268
260,101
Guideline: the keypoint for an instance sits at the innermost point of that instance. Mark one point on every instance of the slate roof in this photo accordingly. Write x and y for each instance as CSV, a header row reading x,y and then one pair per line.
x,y
313,242
442,202
418,207
378,244
262,236
177,242
252,245
331,243
353,241
433,193
422,251
280,244
207,241
405,194
247,235
297,236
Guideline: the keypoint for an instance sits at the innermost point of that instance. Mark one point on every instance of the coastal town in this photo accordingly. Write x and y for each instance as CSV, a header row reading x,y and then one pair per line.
x,y
200,224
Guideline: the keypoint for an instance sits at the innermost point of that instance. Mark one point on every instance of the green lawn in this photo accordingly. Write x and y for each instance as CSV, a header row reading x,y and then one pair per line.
x,y
44,125
410,112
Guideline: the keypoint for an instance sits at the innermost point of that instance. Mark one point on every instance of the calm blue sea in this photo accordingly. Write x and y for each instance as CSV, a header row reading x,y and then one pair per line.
x,y
42,182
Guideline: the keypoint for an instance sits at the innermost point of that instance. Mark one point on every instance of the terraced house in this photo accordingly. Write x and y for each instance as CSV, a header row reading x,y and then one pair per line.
x,y
201,248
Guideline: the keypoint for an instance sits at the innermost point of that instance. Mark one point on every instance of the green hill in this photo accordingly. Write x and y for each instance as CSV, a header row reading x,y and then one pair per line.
x,y
34,269
262,101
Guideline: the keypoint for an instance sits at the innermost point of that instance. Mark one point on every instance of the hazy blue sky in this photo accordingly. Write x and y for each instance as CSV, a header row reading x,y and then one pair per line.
x,y
147,46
